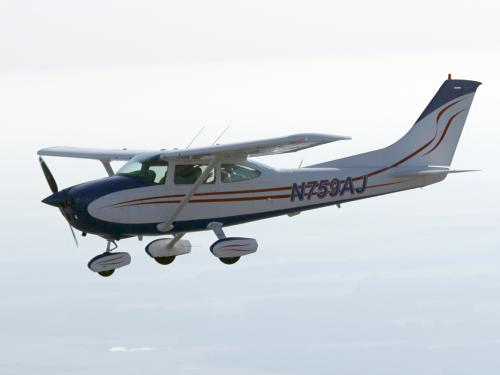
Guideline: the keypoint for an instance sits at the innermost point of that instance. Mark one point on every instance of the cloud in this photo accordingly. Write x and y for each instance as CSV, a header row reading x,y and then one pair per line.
x,y
191,368
414,322
465,344
125,349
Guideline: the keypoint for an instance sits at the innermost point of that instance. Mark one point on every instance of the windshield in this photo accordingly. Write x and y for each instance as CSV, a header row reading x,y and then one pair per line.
x,y
148,168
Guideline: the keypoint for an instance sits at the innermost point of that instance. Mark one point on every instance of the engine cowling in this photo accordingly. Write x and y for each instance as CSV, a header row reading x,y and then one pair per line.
x,y
233,247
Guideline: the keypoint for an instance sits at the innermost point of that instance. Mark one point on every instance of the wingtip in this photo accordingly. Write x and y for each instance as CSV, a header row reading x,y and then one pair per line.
x,y
342,137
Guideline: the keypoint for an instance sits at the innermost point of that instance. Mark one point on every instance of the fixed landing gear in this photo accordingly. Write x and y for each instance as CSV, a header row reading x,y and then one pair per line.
x,y
106,273
164,261
106,263
229,261
230,249
165,250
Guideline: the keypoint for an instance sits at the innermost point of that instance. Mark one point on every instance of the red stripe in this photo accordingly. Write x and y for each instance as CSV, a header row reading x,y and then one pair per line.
x,y
446,108
445,131
380,185
245,191
371,174
210,200
205,194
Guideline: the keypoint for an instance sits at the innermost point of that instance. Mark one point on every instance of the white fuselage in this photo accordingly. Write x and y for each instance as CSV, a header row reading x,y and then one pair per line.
x,y
274,192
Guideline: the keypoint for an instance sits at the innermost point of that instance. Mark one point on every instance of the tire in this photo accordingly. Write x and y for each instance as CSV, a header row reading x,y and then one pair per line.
x,y
164,260
106,273
232,260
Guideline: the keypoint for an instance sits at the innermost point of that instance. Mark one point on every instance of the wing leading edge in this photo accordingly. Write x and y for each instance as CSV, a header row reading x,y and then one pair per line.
x,y
90,153
271,146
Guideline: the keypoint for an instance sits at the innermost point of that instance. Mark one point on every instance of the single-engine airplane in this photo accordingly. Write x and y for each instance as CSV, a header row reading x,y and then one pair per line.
x,y
174,192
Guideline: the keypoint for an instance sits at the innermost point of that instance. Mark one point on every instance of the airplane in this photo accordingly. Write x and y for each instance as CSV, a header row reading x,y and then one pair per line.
x,y
179,191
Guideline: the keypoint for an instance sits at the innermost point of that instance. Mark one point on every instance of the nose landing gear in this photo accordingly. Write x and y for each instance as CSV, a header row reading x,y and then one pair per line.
x,y
106,263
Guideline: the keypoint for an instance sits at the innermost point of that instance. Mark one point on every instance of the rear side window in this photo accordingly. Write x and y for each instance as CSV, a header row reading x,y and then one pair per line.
x,y
186,174
237,173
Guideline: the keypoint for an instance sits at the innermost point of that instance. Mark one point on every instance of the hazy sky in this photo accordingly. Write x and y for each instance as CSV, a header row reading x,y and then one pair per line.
x,y
406,283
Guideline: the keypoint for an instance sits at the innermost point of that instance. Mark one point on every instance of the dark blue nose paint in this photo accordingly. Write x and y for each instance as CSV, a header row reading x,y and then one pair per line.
x,y
59,199
84,194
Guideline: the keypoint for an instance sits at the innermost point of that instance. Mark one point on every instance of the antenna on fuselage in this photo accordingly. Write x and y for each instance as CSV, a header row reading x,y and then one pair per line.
x,y
194,138
220,135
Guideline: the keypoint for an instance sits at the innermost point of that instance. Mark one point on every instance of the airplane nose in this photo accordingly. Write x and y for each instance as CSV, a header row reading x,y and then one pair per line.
x,y
59,199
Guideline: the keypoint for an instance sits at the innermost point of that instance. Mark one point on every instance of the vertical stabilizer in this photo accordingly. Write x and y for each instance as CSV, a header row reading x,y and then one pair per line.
x,y
433,138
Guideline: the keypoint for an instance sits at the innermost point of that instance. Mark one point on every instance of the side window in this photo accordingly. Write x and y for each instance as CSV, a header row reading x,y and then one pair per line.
x,y
160,172
237,173
189,173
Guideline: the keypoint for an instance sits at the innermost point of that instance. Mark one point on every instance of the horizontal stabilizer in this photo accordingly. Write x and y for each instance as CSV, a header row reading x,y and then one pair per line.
x,y
428,172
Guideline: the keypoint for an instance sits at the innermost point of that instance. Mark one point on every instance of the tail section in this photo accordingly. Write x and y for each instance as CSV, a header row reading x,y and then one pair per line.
x,y
431,141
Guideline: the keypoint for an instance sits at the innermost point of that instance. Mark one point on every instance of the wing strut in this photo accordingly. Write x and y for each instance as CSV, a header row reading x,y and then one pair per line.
x,y
107,167
167,224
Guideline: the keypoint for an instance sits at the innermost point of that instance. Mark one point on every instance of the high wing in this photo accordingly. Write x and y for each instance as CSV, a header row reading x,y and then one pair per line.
x,y
271,146
90,153
106,156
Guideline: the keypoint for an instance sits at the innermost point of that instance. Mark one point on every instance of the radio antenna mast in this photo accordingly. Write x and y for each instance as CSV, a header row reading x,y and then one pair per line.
x,y
220,135
194,138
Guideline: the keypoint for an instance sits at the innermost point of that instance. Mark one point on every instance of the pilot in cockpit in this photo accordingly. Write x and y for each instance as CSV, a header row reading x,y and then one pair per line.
x,y
187,173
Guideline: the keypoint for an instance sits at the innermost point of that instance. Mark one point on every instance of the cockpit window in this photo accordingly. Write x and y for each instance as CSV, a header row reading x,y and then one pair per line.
x,y
150,169
189,173
237,173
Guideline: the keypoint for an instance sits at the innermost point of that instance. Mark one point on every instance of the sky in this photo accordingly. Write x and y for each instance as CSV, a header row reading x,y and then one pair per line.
x,y
405,283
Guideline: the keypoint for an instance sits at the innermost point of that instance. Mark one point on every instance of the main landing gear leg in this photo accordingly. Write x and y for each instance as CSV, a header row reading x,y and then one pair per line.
x,y
216,227
108,246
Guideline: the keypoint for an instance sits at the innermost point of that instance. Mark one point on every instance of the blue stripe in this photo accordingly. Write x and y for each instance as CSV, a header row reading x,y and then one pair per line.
x,y
448,92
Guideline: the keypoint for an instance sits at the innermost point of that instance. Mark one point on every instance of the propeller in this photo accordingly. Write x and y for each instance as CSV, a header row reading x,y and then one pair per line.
x,y
48,176
73,233
63,205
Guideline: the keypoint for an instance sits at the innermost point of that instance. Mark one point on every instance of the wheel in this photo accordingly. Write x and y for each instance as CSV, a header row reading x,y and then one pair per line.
x,y
232,260
106,273
164,260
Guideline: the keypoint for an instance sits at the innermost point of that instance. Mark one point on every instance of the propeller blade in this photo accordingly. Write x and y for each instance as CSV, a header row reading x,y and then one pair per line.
x,y
48,176
73,233
55,200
